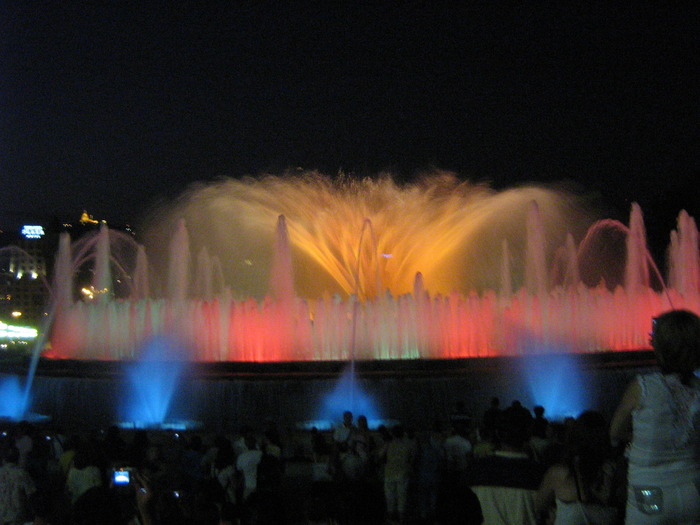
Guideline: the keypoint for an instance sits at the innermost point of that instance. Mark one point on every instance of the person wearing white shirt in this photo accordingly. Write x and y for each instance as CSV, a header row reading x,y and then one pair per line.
x,y
247,464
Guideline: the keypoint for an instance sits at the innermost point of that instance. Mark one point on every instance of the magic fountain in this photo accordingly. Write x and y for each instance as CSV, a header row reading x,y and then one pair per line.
x,y
304,268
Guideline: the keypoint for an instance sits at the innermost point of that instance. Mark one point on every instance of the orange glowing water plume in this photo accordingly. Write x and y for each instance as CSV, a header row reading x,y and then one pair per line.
x,y
362,237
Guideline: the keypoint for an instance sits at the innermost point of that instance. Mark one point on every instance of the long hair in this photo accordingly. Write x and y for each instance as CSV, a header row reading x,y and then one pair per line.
x,y
676,341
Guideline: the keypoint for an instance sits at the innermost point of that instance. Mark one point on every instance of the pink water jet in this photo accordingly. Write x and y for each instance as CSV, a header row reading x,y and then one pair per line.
x,y
305,268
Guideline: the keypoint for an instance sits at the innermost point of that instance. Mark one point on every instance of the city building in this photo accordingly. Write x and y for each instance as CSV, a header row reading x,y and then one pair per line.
x,y
28,246
26,255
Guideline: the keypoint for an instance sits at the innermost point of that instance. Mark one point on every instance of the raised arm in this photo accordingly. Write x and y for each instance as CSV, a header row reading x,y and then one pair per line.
x,y
621,424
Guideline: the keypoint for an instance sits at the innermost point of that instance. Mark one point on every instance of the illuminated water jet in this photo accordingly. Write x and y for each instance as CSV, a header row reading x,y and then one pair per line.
x,y
555,382
360,237
151,387
347,394
304,268
15,401
12,405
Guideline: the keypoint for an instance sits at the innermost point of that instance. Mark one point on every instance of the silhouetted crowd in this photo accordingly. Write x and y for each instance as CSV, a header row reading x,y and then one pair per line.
x,y
458,471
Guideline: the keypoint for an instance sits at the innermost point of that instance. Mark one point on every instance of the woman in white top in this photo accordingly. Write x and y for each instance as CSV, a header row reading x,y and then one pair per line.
x,y
660,416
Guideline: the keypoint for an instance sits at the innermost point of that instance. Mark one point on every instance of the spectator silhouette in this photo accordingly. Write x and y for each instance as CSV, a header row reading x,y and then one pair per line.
x,y
490,418
505,482
428,463
540,425
399,455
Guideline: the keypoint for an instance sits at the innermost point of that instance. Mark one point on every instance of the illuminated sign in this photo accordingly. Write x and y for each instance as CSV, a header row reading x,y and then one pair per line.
x,y
32,231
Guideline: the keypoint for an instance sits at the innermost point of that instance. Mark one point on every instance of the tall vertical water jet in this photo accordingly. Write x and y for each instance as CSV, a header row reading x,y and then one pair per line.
x,y
684,273
572,276
282,290
282,275
637,268
102,283
140,285
179,264
506,281
203,275
536,276
368,272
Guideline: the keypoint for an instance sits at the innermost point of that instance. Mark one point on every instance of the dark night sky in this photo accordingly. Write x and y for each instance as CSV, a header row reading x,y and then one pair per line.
x,y
111,108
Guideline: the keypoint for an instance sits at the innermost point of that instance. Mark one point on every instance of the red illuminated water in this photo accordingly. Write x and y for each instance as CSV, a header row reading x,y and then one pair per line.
x,y
284,269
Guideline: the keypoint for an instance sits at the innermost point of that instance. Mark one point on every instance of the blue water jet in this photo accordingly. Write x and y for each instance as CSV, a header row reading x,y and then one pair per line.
x,y
347,395
556,383
12,398
152,383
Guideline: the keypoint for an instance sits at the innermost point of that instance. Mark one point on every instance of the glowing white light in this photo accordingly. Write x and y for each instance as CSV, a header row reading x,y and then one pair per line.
x,y
31,231
8,331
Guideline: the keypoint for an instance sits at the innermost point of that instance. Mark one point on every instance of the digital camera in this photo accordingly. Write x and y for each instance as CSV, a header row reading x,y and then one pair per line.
x,y
121,476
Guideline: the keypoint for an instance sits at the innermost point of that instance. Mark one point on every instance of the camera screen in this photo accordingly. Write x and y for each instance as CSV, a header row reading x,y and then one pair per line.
x,y
121,477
